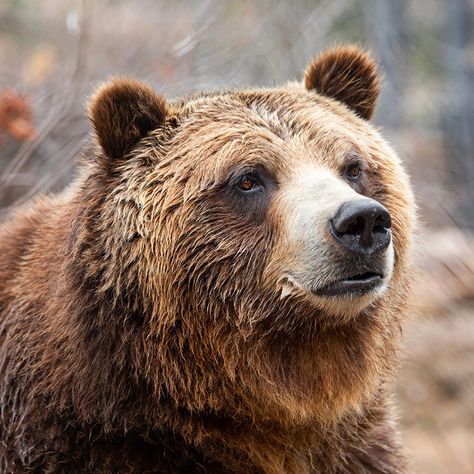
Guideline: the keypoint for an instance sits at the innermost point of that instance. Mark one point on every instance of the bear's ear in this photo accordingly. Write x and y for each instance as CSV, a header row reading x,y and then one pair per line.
x,y
122,112
348,74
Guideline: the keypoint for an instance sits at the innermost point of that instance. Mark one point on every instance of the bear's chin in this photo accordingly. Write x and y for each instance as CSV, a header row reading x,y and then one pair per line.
x,y
340,307
348,306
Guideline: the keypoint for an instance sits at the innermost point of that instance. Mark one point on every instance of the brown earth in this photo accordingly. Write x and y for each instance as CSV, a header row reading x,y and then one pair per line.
x,y
435,392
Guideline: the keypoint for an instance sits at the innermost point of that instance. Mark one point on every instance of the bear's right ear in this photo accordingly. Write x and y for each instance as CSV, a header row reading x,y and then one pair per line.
x,y
122,112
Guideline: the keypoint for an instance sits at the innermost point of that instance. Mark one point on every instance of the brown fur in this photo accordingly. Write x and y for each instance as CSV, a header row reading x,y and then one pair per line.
x,y
140,328
348,75
124,111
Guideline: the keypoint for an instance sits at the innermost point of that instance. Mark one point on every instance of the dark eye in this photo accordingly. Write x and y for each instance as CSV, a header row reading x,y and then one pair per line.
x,y
354,171
248,182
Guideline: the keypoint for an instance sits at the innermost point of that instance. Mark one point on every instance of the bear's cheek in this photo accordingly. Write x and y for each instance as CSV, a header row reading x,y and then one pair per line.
x,y
215,252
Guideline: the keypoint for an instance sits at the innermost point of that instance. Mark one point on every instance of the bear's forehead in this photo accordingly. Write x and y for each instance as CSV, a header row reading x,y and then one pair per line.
x,y
288,112
289,116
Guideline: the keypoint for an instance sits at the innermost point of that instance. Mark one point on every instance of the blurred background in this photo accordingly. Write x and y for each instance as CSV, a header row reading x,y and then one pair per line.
x,y
54,52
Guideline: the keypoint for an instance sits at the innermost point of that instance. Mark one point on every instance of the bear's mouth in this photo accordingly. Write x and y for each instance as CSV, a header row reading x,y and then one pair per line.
x,y
354,285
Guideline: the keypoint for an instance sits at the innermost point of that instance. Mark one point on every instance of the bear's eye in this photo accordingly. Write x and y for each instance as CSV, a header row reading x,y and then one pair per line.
x,y
248,182
354,171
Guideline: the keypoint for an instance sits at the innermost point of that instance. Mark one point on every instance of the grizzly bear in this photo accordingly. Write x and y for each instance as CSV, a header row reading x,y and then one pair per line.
x,y
220,290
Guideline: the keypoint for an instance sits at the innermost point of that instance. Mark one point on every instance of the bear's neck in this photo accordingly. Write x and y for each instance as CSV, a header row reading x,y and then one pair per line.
x,y
358,443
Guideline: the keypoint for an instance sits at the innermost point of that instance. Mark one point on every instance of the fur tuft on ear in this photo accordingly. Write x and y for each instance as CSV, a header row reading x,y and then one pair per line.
x,y
122,112
348,74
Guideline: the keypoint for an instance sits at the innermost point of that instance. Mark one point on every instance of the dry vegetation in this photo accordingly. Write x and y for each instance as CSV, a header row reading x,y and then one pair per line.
x,y
53,52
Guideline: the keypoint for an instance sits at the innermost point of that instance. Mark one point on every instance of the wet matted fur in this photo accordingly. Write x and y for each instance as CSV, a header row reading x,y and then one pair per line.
x,y
143,319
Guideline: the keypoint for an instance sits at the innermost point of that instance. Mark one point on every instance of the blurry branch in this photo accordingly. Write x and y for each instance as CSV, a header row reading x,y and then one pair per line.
x,y
58,111
70,150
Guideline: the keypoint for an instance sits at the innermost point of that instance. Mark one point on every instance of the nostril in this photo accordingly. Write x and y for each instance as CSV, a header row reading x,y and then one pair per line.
x,y
383,221
356,227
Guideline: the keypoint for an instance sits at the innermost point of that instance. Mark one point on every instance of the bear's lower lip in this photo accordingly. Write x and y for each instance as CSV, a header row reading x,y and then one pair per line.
x,y
356,285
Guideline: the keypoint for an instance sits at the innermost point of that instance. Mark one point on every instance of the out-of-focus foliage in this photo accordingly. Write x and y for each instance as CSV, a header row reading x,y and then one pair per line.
x,y
16,116
54,52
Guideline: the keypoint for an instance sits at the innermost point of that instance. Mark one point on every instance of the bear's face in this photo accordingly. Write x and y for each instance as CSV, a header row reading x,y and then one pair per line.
x,y
260,214
268,173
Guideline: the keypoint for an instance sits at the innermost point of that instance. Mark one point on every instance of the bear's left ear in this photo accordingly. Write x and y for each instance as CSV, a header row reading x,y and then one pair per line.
x,y
347,74
122,112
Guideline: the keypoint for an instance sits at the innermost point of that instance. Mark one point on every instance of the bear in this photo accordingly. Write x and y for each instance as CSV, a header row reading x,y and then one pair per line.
x,y
221,289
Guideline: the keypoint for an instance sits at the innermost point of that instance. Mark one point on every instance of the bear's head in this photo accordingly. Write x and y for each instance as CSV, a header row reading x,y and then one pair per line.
x,y
257,240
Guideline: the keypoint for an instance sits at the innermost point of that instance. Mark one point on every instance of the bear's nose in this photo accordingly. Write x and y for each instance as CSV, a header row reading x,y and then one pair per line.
x,y
362,226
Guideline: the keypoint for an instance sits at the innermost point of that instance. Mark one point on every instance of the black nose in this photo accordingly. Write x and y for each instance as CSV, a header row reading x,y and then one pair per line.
x,y
362,226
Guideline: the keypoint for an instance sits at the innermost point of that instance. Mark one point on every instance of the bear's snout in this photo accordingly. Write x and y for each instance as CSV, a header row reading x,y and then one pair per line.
x,y
362,227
